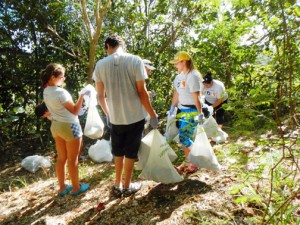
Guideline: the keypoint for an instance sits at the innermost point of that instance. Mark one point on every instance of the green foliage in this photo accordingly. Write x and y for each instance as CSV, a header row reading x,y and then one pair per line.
x,y
252,46
205,217
19,182
268,185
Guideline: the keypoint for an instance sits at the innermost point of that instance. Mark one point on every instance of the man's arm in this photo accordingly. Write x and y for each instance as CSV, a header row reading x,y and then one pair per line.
x,y
144,98
101,97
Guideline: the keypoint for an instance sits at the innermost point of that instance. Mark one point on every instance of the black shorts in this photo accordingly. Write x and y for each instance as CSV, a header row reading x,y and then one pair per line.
x,y
126,139
218,112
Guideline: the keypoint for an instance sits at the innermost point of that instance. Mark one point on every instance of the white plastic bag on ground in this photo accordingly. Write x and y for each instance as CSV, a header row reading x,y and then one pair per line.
x,y
202,154
34,162
101,151
155,158
221,137
171,129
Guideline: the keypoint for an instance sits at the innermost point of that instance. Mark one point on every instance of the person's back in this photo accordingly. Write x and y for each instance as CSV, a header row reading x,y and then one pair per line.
x,y
119,73
123,96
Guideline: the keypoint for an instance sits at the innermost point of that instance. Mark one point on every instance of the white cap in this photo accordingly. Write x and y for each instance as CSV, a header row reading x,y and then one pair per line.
x,y
148,64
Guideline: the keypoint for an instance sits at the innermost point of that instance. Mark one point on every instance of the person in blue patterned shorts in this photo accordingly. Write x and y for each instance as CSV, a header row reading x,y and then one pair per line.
x,y
187,86
65,128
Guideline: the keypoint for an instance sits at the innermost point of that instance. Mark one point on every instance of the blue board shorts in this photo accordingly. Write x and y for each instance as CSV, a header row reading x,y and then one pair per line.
x,y
187,126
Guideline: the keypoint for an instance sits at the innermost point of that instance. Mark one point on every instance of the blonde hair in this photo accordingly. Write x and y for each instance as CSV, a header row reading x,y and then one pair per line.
x,y
190,65
52,69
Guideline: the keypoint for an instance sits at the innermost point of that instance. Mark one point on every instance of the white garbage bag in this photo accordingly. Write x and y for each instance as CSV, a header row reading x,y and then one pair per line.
x,y
211,127
101,151
94,126
34,162
92,99
171,129
221,137
145,148
155,158
202,154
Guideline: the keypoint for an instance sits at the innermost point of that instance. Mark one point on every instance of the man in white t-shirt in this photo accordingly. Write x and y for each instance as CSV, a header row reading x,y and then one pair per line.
x,y
215,95
123,96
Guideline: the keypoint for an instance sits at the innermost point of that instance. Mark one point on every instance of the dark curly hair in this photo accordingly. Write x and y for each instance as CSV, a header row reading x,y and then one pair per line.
x,y
40,109
114,41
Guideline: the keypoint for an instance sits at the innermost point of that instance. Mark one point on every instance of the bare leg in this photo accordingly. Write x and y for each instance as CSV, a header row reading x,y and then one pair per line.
x,y
81,147
186,151
60,166
119,169
128,169
73,150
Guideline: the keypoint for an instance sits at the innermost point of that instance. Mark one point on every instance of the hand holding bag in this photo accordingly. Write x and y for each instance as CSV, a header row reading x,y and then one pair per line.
x,y
171,129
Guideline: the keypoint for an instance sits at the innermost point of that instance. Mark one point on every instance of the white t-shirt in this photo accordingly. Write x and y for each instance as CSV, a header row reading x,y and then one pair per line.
x,y
55,97
215,92
119,73
186,85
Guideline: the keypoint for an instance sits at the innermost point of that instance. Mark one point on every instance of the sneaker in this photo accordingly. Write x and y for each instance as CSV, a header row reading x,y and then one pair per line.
x,y
116,191
191,168
133,188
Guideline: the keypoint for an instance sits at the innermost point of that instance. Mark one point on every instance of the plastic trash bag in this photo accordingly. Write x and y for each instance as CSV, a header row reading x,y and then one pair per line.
x,y
221,137
101,151
171,129
145,148
202,154
155,158
92,99
34,162
211,127
94,126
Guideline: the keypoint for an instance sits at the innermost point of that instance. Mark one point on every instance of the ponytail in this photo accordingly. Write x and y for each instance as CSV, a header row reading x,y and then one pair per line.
x,y
52,69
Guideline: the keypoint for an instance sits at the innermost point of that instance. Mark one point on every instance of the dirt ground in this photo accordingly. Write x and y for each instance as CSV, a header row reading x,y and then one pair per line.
x,y
201,198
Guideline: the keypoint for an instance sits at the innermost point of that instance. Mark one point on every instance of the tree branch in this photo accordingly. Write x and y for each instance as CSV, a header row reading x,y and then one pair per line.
x,y
86,19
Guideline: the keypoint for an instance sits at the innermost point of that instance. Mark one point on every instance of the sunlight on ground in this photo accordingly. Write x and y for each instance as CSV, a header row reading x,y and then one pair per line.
x,y
33,193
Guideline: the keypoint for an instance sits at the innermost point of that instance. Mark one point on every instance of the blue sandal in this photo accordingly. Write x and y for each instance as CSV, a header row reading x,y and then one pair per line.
x,y
66,191
83,188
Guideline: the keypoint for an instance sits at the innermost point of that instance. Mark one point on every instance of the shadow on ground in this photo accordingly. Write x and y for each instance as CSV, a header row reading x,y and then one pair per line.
x,y
157,205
